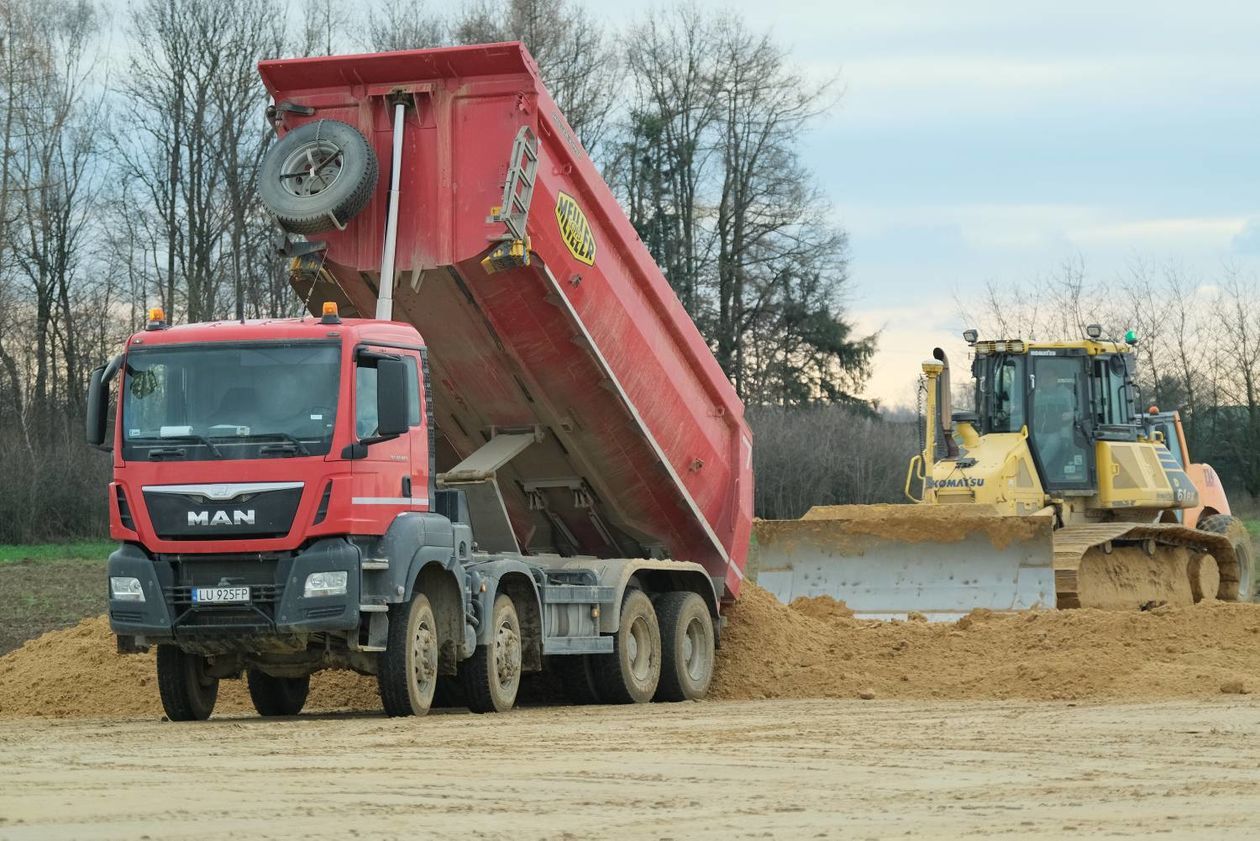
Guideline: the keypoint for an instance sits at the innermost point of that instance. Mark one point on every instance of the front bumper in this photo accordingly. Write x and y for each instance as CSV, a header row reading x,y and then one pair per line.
x,y
278,606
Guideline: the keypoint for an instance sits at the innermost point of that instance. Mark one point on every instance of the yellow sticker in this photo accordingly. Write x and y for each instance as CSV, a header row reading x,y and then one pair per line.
x,y
575,229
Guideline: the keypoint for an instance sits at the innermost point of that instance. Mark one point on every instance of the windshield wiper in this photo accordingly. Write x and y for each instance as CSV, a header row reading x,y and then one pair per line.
x,y
191,437
279,436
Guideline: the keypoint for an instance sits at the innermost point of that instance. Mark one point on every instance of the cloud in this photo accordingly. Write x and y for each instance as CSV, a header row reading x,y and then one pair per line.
x,y
1247,241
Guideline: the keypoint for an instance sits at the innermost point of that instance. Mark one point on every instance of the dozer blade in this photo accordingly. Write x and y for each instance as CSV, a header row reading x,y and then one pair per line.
x,y
885,561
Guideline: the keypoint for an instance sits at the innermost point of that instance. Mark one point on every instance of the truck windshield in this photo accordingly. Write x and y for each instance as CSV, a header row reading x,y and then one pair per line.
x,y
201,402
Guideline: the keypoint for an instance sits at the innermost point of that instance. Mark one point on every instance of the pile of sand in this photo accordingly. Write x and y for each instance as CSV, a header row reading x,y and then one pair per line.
x,y
815,648
78,673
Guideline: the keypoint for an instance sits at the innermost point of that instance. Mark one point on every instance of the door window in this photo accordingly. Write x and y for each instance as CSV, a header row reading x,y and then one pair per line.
x,y
1007,394
1058,428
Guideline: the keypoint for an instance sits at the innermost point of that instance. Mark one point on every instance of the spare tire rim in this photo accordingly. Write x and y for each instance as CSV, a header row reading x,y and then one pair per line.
x,y
311,168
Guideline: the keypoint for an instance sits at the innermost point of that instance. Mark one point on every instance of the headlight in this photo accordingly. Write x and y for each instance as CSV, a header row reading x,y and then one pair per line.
x,y
126,589
325,584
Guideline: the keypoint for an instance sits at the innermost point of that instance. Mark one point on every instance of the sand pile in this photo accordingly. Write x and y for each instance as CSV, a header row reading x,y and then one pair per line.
x,y
77,672
815,648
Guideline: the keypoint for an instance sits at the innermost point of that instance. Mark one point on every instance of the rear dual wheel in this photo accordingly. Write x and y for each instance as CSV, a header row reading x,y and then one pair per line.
x,y
492,676
663,651
631,673
687,647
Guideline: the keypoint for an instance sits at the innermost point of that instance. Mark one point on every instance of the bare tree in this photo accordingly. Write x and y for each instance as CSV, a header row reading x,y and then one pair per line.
x,y
403,25
667,154
323,27
190,150
576,57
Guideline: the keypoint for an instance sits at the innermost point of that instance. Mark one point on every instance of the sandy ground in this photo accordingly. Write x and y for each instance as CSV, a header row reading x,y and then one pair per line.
x,y
752,769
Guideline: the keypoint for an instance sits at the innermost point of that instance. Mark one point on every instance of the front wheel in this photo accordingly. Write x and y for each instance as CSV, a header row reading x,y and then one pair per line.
x,y
630,674
407,671
277,695
1234,529
187,689
492,676
687,647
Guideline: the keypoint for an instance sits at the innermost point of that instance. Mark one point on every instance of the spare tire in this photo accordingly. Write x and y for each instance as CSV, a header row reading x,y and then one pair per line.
x,y
318,177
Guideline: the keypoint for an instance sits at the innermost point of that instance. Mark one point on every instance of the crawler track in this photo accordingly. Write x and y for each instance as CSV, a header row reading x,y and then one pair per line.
x,y
1127,565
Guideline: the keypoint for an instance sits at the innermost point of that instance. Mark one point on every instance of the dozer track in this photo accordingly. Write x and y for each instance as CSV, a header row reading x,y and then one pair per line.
x,y
1128,565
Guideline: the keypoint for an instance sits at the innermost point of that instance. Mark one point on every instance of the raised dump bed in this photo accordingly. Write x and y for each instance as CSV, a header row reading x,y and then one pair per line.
x,y
639,443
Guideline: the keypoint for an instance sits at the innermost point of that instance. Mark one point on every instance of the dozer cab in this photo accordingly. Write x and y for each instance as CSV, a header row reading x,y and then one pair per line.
x,y
1052,490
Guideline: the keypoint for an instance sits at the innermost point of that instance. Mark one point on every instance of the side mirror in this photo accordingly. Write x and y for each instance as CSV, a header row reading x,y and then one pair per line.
x,y
97,420
391,398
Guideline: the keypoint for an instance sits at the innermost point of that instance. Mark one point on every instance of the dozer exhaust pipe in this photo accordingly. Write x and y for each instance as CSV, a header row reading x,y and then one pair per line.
x,y
944,402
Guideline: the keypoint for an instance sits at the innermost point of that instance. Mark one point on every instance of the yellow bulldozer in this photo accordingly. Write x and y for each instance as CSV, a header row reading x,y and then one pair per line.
x,y
1053,490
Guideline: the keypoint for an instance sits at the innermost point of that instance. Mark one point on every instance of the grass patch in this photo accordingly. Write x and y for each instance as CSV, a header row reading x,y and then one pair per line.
x,y
80,550
44,594
46,586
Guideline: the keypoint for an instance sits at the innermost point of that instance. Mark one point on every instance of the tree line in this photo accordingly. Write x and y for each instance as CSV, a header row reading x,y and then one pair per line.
x,y
131,150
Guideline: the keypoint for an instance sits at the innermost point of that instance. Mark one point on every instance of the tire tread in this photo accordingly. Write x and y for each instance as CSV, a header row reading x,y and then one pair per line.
x,y
174,687
669,611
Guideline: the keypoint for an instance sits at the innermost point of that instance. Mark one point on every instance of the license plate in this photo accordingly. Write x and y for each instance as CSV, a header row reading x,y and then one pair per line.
x,y
220,595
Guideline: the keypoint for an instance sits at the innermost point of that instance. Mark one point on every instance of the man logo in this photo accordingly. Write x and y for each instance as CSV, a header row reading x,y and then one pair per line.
x,y
576,231
221,518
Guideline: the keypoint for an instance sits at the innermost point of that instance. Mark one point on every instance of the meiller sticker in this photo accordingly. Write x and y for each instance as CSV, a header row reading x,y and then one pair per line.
x,y
575,229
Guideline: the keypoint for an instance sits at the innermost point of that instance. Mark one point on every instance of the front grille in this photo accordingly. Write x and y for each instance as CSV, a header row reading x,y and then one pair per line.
x,y
262,515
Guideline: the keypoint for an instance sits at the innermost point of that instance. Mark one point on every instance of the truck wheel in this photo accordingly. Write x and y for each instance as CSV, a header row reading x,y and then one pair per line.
x,y
630,674
686,647
318,177
277,695
407,670
1234,529
188,693
492,676
576,678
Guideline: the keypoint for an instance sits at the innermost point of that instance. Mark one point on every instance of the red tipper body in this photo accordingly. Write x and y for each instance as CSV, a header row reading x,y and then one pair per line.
x,y
643,445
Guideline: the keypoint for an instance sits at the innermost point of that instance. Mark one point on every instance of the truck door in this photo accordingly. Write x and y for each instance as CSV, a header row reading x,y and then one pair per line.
x,y
385,480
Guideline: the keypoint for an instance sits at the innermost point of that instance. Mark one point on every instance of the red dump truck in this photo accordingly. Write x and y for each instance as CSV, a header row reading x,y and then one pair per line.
x,y
497,445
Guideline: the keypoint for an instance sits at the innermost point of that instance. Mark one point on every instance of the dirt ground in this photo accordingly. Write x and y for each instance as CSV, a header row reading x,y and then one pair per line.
x,y
751,769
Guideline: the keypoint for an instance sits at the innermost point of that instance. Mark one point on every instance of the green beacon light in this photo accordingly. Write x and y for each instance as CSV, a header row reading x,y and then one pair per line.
x,y
1130,337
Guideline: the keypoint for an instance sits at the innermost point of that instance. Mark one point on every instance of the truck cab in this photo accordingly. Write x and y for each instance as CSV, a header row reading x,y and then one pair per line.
x,y
278,513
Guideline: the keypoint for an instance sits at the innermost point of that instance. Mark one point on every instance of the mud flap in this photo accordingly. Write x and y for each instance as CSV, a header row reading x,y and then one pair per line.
x,y
887,561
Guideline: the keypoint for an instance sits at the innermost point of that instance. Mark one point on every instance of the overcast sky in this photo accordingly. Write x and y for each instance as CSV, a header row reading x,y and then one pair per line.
x,y
980,140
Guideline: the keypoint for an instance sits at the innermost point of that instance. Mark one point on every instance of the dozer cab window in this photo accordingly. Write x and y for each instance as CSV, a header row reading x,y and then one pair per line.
x,y
1003,395
1060,439
1111,391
